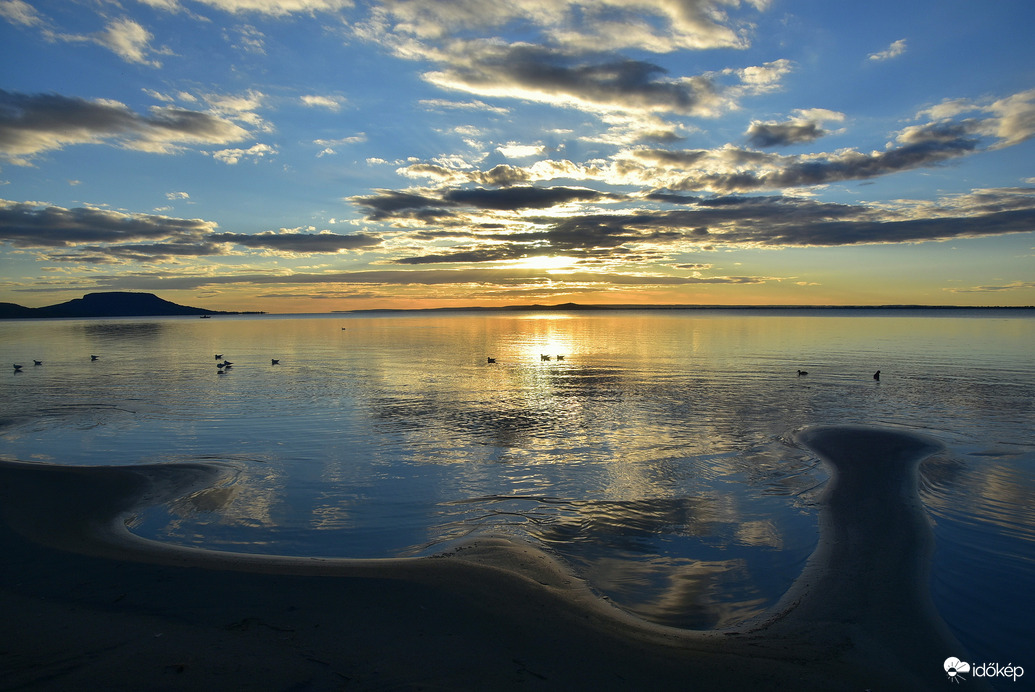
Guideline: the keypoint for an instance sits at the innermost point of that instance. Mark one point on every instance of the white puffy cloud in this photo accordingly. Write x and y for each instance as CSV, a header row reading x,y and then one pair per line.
x,y
125,37
332,103
234,156
129,40
896,49
1010,119
515,150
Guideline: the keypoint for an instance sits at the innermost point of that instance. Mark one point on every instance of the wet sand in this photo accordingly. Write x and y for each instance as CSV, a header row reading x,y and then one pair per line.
x,y
90,606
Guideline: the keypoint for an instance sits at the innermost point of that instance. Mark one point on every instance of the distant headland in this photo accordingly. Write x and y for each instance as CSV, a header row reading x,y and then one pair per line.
x,y
110,304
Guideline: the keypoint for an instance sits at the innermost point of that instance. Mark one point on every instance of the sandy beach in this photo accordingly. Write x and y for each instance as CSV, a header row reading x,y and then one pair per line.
x,y
90,606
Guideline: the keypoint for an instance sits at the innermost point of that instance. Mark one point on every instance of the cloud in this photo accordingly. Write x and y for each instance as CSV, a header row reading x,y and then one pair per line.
x,y
896,49
329,102
305,243
659,26
125,37
542,74
625,129
28,225
991,125
485,253
143,252
501,175
233,156
805,128
330,144
759,79
480,106
789,222
488,277
730,169
1010,119
1012,286
129,40
240,107
1014,120
275,8
972,128
515,150
102,236
688,223
772,134
525,197
249,39
165,5
20,12
388,204
632,237
34,123
572,55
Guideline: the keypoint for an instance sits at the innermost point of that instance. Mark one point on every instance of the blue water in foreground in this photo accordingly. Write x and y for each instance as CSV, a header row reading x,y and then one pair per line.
x,y
655,458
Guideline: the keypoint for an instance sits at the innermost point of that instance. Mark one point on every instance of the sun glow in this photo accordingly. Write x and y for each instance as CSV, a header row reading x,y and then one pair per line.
x,y
546,263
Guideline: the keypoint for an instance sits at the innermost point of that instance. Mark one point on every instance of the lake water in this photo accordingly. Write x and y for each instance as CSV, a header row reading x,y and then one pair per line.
x,y
655,458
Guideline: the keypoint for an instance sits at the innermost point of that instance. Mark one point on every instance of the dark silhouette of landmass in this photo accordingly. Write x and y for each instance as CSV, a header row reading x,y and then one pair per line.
x,y
110,304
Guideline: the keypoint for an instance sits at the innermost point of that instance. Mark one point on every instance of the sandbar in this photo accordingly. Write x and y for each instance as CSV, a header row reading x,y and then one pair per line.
x,y
91,606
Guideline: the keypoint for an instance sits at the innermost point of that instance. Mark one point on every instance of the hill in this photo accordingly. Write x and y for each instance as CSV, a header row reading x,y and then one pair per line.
x,y
110,304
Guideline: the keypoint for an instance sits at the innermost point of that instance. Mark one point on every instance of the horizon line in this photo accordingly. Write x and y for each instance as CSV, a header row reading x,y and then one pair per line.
x,y
687,306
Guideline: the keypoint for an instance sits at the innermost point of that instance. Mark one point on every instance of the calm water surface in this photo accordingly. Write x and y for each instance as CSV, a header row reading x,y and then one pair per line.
x,y
655,457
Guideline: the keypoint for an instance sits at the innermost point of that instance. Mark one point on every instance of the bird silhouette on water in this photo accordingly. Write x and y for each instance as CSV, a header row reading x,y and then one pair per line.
x,y
802,372
37,362
490,359
876,375
94,357
218,356
274,361
17,368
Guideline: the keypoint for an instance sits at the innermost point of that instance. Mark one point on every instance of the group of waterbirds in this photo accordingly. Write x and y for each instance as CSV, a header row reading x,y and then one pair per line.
x,y
225,365
876,375
36,363
542,356
222,366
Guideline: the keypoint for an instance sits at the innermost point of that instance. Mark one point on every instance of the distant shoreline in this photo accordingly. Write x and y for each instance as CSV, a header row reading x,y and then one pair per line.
x,y
132,304
577,307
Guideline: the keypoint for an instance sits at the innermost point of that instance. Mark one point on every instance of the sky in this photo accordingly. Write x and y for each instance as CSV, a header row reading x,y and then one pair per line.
x,y
303,156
